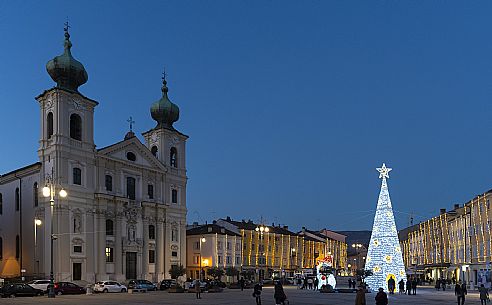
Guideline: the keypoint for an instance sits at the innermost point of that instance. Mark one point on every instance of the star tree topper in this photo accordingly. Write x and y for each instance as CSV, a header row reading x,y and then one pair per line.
x,y
383,171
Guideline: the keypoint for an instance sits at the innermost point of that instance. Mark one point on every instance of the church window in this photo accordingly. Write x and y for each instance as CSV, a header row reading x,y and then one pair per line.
x,y
1,248
109,255
174,196
17,199
49,125
131,156
17,247
77,249
35,194
130,188
1,204
174,234
108,182
153,150
173,157
151,232
109,227
77,176
75,127
151,256
174,253
150,191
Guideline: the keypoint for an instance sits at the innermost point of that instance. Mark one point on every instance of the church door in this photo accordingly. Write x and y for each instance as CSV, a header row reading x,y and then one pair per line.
x,y
131,265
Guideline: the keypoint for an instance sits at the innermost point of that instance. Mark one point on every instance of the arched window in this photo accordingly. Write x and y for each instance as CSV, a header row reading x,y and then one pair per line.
x,y
173,157
17,199
130,188
109,183
1,204
153,150
77,176
174,196
109,227
75,127
35,194
150,191
17,247
49,125
1,248
151,232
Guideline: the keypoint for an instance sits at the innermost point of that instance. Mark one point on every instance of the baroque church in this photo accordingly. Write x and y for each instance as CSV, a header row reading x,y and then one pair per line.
x,y
111,213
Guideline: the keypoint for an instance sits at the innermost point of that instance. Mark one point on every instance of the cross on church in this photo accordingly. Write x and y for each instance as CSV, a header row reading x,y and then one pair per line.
x,y
66,25
131,121
164,74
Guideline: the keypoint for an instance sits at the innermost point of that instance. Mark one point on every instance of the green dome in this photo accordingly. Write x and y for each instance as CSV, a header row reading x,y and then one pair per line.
x,y
66,71
164,112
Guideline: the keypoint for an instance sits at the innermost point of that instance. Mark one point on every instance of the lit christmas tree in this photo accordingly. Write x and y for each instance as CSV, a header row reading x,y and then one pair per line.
x,y
384,257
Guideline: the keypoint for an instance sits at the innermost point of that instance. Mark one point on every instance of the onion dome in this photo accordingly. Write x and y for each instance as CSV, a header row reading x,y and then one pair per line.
x,y
66,71
164,111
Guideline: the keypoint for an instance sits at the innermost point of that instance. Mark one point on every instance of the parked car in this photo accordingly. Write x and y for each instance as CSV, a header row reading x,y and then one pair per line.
x,y
166,284
142,284
40,284
109,286
68,288
19,290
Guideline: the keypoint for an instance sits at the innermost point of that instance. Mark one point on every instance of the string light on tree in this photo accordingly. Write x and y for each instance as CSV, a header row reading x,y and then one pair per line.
x,y
384,256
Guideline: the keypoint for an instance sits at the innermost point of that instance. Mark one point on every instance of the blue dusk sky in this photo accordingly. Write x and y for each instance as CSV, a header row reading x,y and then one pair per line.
x,y
290,105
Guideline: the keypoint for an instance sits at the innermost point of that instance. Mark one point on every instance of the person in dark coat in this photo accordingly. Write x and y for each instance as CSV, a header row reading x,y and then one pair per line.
x,y
401,286
360,298
391,285
279,294
381,297
438,284
257,293
414,286
409,286
460,292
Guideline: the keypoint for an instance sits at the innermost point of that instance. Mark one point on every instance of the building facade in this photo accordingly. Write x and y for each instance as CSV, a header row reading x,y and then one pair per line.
x,y
125,213
320,244
456,244
211,245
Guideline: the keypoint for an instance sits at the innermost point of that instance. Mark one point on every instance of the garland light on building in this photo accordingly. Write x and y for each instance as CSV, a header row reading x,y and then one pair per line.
x,y
384,256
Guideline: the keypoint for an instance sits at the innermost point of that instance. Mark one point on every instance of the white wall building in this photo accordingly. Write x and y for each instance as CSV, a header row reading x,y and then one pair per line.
x,y
125,213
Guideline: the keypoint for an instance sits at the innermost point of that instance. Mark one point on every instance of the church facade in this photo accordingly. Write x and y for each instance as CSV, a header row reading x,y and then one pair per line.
x,y
124,213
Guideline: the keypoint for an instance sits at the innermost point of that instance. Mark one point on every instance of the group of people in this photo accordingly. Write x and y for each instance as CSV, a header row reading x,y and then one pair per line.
x,y
352,283
308,283
279,294
441,283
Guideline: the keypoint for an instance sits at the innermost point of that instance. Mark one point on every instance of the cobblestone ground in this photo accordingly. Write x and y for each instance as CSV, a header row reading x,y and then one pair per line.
x,y
236,297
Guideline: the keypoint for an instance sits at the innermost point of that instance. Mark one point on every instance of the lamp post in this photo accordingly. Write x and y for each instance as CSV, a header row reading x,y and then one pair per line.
x,y
202,240
261,229
50,191
37,223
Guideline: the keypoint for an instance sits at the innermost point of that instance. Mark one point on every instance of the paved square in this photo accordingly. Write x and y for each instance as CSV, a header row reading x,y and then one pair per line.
x,y
425,296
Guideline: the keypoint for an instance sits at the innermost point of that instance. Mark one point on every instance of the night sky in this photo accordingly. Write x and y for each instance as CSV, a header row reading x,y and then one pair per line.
x,y
290,105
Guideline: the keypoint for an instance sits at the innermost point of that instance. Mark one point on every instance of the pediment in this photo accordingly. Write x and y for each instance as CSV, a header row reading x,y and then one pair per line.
x,y
143,156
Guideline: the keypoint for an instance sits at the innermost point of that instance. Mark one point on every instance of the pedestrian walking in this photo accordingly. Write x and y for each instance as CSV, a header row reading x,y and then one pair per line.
x,y
381,297
350,282
198,289
241,283
438,284
484,295
401,286
279,294
460,292
414,286
316,282
360,297
310,283
409,286
257,293
391,285
305,283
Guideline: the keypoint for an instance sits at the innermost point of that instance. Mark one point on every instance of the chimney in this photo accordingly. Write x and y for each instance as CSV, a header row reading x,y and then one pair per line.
x,y
214,222
456,206
442,211
286,227
228,218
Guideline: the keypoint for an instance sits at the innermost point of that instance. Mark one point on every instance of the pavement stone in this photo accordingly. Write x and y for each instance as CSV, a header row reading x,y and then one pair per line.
x,y
425,296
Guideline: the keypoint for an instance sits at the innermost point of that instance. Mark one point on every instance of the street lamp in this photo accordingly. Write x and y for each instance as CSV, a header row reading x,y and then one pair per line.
x,y
202,240
261,229
49,191
357,247
37,223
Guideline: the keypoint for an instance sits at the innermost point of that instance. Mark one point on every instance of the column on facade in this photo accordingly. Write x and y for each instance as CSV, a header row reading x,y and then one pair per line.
x,y
63,243
159,267
182,245
145,249
101,246
167,242
118,251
